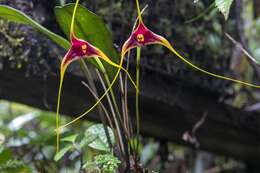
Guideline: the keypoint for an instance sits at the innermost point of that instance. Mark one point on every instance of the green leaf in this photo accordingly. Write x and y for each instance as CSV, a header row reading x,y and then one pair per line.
x,y
224,6
71,138
5,155
87,139
90,27
62,152
101,142
17,16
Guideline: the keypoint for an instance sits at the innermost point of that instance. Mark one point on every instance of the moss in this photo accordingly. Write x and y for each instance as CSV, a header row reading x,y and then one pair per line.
x,y
23,47
11,43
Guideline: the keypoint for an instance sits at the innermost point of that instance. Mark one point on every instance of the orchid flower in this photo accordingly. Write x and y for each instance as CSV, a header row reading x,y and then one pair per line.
x,y
82,49
143,36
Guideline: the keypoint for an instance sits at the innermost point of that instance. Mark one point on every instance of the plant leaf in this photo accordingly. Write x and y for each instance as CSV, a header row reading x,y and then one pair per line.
x,y
17,16
62,152
87,139
101,142
90,27
224,6
71,138
5,154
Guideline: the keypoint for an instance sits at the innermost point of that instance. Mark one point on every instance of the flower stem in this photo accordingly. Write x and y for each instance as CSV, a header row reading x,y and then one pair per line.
x,y
137,95
101,66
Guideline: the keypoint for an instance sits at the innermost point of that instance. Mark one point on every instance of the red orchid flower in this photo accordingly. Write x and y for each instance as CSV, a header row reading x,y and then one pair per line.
x,y
143,36
82,49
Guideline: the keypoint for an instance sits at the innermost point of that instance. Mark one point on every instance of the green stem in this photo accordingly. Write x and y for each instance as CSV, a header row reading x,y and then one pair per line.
x,y
90,79
93,90
202,14
112,94
137,95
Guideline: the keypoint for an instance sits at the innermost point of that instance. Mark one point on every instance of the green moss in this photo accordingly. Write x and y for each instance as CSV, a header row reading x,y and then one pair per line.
x,y
12,43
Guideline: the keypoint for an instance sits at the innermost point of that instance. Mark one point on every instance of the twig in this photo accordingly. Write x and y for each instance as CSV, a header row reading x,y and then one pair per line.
x,y
199,123
101,104
90,79
202,14
191,137
241,48
240,31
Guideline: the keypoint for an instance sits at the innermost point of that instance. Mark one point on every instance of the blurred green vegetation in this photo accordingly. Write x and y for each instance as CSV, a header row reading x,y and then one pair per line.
x,y
27,144
28,140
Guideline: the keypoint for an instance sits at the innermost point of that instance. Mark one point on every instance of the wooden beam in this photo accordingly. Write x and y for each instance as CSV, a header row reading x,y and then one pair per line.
x,y
169,108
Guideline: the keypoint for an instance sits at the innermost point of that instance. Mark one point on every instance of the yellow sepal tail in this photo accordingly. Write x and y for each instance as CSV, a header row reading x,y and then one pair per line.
x,y
169,46
97,102
104,57
62,71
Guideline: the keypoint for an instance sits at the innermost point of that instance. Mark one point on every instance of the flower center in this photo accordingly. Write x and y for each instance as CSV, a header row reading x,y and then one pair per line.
x,y
140,38
84,48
